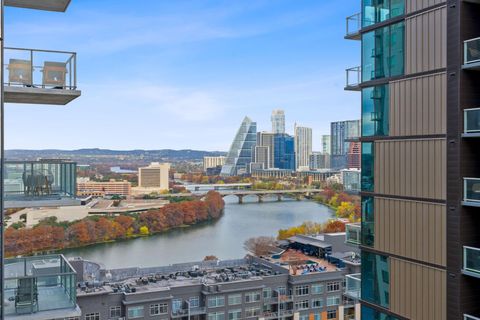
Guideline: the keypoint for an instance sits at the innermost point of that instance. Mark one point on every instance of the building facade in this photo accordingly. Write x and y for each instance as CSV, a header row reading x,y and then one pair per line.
x,y
103,188
284,152
341,133
154,176
319,160
240,154
419,84
278,121
354,155
267,140
213,162
326,144
303,147
351,180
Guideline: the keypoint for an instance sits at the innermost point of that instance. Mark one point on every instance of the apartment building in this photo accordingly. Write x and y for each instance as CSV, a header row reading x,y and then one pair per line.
x,y
154,176
85,187
213,162
420,125
303,147
341,134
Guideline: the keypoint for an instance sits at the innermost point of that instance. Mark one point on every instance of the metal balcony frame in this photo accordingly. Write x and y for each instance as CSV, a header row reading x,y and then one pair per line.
x,y
354,35
469,202
466,133
469,317
353,86
474,64
469,272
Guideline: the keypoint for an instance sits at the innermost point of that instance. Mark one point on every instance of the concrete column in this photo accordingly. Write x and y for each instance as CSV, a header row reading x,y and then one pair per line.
x,y
240,198
260,198
279,197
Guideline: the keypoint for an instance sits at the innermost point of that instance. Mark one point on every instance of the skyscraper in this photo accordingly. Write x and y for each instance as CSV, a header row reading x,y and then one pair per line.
x,y
266,139
341,132
326,144
240,155
284,148
278,121
303,146
420,183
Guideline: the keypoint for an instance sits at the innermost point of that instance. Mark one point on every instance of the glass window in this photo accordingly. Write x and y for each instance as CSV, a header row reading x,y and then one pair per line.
x,y
375,111
368,313
375,11
252,297
368,166
252,312
302,305
234,299
317,288
115,312
267,293
235,314
383,52
135,312
375,289
216,316
217,301
317,316
158,308
333,286
302,290
194,302
92,316
176,305
332,314
304,317
333,301
317,303
368,221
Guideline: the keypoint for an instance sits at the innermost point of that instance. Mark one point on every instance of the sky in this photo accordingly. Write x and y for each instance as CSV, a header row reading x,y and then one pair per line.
x,y
182,74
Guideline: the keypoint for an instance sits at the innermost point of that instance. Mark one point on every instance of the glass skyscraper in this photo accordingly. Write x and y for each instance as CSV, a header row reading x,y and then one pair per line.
x,y
240,155
284,151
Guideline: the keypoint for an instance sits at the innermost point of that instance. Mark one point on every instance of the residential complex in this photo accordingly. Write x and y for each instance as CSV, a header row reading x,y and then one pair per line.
x,y
278,121
303,147
341,133
419,233
213,162
154,176
85,187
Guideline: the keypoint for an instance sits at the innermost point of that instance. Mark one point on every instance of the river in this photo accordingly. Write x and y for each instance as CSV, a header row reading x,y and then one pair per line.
x,y
223,238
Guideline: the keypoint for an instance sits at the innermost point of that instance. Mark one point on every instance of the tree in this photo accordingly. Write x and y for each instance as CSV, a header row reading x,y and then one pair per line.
x,y
144,231
210,258
259,246
346,210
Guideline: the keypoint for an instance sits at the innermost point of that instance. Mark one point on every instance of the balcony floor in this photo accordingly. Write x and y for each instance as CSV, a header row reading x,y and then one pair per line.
x,y
353,88
471,203
48,5
39,95
471,66
353,36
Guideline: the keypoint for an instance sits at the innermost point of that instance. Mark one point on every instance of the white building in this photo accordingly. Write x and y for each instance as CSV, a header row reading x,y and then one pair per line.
x,y
154,176
303,146
213,162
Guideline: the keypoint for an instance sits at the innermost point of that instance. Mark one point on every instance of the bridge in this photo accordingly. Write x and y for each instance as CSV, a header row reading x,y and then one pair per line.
x,y
298,194
218,186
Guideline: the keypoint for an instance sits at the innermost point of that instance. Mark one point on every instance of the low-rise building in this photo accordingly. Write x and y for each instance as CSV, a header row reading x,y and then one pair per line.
x,y
86,187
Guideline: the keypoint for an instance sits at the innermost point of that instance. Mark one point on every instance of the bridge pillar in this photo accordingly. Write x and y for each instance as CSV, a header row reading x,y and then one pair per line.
x,y
279,197
197,188
240,198
260,198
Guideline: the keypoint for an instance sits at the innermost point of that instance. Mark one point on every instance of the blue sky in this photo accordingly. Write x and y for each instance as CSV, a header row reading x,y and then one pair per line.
x,y
158,74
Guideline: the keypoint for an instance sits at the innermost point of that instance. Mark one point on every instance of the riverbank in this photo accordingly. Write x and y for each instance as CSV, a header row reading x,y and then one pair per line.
x,y
50,235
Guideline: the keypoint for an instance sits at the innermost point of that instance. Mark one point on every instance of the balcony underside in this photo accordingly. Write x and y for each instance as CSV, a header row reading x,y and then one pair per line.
x,y
471,66
39,95
47,5
354,36
353,88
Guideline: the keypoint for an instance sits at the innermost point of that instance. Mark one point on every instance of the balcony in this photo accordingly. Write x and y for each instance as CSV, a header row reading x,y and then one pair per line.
x,y
471,192
471,52
47,5
40,76
468,317
40,288
471,123
195,311
353,233
354,78
471,261
40,183
353,286
354,24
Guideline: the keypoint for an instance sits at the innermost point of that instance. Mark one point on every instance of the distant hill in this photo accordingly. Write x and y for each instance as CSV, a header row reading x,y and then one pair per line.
x,y
105,155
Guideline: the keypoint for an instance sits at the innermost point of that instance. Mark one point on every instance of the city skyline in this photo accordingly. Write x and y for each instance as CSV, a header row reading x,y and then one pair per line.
x,y
196,80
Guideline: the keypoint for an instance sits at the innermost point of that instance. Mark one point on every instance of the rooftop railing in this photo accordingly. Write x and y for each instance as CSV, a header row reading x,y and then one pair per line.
x,y
353,233
471,261
471,121
353,285
354,78
354,24
471,51
471,192
45,69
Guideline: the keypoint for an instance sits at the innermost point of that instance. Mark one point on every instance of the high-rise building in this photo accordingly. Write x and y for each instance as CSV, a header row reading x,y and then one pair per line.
x,y
319,160
303,147
278,121
420,183
154,176
261,157
266,139
284,157
240,155
213,162
341,133
354,155
326,144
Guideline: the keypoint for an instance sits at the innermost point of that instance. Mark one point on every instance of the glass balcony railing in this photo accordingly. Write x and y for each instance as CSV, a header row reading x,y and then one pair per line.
x,y
354,24
354,78
471,261
468,317
471,192
471,50
353,286
39,284
353,233
471,121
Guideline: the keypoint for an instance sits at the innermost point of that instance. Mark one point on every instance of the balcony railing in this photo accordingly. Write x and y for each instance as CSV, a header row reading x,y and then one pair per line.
x,y
353,286
471,51
471,122
354,24
354,78
471,191
353,233
180,313
468,317
471,261
37,284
